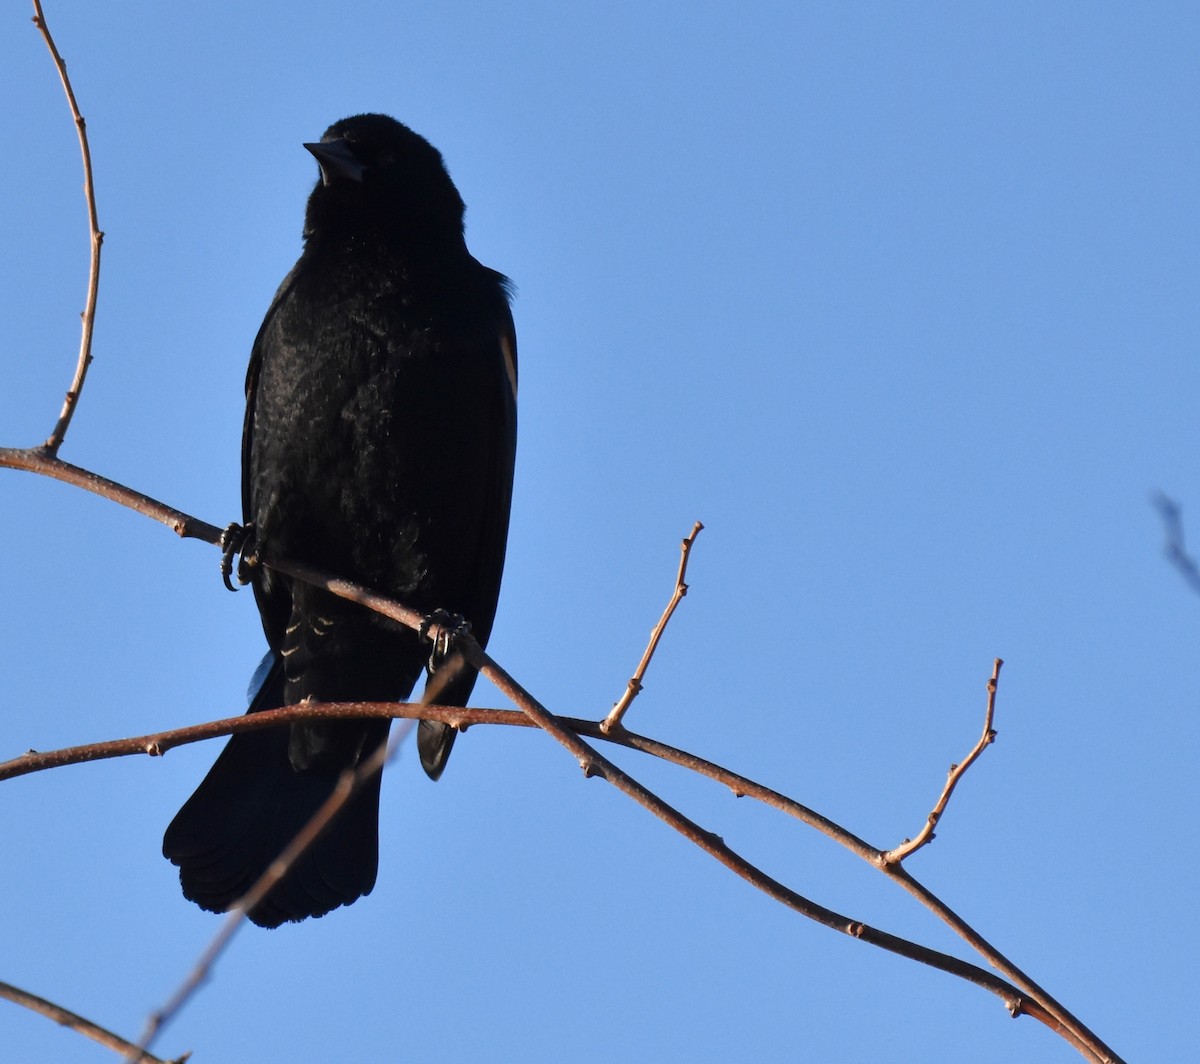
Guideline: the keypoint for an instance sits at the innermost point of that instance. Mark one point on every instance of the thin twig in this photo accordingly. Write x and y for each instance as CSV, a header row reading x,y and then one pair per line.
x,y
613,720
925,836
1174,548
348,783
66,1018
56,437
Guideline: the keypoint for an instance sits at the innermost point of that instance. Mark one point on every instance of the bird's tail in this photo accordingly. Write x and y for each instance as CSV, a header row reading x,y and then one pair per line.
x,y
253,802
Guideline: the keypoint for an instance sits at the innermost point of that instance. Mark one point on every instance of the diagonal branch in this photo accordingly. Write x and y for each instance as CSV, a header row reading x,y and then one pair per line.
x,y
66,1018
349,784
39,460
1055,1015
56,437
613,720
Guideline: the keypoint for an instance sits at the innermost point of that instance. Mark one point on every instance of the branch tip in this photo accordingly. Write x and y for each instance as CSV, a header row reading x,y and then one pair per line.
x,y
634,687
892,858
55,440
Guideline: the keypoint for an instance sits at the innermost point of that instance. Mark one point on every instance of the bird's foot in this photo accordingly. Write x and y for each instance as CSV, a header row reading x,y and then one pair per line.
x,y
238,541
449,625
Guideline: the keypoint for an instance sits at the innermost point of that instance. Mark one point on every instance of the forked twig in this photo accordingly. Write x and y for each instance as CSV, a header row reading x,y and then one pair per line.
x,y
613,720
66,1018
54,441
925,836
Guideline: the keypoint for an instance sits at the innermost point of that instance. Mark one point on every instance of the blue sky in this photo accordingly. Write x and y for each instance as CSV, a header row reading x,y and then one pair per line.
x,y
900,300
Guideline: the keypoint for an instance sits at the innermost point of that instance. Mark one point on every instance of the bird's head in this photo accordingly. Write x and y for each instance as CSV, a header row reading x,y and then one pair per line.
x,y
377,173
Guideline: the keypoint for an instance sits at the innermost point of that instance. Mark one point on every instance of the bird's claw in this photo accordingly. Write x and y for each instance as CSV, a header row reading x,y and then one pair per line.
x,y
450,626
238,541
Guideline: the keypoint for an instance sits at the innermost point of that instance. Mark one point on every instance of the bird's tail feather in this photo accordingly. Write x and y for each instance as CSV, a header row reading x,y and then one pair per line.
x,y
434,743
252,804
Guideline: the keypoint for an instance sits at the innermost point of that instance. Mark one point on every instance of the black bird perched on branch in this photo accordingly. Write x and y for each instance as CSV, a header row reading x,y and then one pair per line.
x,y
379,443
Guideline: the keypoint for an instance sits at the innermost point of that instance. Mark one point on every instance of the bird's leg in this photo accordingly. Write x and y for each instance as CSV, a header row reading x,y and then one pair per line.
x,y
449,625
238,540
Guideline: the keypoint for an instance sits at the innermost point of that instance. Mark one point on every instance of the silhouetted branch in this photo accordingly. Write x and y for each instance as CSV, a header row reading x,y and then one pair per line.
x,y
66,1018
1174,548
613,720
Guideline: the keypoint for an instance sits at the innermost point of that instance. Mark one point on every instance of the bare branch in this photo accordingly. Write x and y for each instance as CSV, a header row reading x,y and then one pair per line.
x,y
1054,1015
1045,1008
56,437
66,1018
39,460
157,744
925,836
1026,996
613,720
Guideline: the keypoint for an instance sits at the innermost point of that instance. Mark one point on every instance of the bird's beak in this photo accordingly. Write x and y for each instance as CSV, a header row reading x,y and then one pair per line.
x,y
337,161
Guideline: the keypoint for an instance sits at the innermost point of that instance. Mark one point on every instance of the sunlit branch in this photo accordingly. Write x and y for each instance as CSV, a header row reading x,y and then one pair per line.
x,y
613,720
59,433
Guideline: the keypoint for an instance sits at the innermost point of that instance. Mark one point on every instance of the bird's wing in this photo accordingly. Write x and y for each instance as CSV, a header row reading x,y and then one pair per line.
x,y
435,740
273,605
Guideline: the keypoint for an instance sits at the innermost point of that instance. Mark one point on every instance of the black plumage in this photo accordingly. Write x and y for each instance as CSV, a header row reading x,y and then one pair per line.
x,y
379,442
